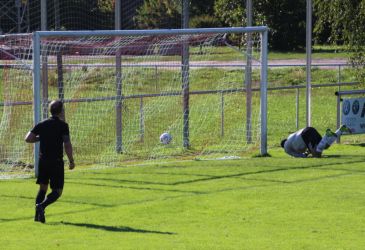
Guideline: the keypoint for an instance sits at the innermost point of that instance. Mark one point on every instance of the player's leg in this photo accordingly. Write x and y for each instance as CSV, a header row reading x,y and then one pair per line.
x,y
343,130
52,197
330,137
41,193
56,184
311,138
40,198
42,181
327,140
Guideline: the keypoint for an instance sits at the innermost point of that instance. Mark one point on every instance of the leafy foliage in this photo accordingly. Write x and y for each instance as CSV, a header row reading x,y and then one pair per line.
x,y
204,21
345,20
230,13
160,14
106,5
286,19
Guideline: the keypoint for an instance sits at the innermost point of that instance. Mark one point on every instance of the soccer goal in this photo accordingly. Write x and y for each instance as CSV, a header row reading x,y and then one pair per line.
x,y
123,89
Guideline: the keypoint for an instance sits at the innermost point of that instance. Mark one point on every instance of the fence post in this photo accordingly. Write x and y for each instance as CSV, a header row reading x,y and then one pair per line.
x,y
338,116
338,112
185,72
118,83
339,74
156,77
222,114
309,62
141,119
248,74
297,109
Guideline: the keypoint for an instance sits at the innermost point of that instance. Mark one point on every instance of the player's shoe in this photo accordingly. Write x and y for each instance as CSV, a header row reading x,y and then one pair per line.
x,y
40,213
329,133
345,129
36,214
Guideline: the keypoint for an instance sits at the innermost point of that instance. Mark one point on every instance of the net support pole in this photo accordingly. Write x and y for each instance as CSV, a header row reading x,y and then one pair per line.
x,y
309,61
263,92
118,103
43,15
44,63
118,79
185,76
44,86
248,74
57,20
18,15
36,93
59,55
60,76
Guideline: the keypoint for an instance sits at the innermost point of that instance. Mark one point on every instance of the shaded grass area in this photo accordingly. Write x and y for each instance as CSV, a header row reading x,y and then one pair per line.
x,y
275,202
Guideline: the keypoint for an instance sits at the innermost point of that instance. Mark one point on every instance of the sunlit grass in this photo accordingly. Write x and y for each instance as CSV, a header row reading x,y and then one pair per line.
x,y
252,203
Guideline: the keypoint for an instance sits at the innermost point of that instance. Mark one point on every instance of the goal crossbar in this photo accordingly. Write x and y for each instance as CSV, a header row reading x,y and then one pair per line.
x,y
259,29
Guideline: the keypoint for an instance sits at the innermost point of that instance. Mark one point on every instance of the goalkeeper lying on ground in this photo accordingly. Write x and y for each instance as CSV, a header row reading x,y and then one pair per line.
x,y
308,141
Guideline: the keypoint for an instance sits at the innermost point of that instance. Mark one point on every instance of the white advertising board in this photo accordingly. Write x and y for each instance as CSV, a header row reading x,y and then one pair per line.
x,y
353,114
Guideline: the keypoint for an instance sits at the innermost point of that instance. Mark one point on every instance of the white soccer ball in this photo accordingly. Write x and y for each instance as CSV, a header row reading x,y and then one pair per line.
x,y
165,138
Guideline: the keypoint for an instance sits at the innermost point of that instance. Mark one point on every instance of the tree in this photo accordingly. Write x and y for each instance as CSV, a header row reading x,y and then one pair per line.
x,y
231,13
159,14
202,14
201,7
345,20
286,19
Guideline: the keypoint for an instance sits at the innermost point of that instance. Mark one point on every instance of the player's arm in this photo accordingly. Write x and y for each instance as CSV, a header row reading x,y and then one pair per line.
x,y
31,137
298,155
68,149
295,154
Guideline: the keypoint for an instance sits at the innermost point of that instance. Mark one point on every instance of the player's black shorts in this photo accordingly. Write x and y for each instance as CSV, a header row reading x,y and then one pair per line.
x,y
51,171
311,136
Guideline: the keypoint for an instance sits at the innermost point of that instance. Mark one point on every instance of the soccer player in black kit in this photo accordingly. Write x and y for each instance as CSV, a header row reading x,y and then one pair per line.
x,y
53,135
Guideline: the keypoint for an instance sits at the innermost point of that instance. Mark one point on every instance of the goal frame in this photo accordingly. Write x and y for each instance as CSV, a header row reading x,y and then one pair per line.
x,y
37,68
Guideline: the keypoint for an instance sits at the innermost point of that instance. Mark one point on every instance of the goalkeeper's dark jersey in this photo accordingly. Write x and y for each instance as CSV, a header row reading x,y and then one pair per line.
x,y
51,132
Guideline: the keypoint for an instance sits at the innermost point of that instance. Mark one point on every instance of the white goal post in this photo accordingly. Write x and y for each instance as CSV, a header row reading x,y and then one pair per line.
x,y
38,63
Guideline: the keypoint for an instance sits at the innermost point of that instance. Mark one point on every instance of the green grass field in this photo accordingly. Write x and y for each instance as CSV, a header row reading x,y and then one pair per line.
x,y
275,202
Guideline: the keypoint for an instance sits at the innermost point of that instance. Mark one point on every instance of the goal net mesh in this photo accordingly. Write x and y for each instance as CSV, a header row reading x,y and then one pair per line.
x,y
117,111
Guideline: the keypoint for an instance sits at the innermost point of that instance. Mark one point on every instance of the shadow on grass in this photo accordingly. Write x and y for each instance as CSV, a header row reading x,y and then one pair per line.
x,y
58,201
358,144
267,182
114,229
134,188
218,177
331,156
147,173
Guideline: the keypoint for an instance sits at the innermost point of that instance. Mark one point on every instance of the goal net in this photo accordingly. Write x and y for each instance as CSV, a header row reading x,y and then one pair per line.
x,y
16,95
123,89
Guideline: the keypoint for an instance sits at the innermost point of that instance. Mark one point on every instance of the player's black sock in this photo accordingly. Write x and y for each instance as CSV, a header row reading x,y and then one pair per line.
x,y
52,197
40,196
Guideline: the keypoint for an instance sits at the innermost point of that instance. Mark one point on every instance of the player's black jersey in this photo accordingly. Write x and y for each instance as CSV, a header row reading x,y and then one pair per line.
x,y
51,132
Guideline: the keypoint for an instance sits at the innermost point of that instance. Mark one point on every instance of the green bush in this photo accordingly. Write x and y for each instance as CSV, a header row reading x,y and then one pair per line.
x,y
204,21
